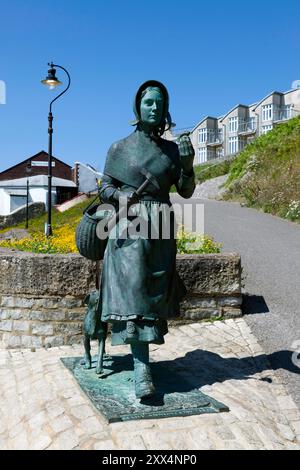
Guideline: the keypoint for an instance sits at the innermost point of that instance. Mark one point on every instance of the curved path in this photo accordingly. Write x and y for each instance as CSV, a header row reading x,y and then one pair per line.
x,y
270,252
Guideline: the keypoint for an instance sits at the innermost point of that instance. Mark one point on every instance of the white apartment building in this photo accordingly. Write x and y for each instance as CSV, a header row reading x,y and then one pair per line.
x,y
225,136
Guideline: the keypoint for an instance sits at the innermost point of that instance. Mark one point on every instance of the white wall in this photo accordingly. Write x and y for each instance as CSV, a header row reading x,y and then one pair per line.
x,y
87,179
4,203
40,195
35,195
293,98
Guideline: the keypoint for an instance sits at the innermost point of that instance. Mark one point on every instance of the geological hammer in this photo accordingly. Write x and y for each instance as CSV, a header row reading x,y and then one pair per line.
x,y
138,192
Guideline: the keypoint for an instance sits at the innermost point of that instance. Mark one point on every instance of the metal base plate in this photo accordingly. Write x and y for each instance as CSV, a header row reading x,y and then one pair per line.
x,y
113,393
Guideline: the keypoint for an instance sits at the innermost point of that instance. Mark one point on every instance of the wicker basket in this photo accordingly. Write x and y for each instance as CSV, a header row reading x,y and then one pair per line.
x,y
88,243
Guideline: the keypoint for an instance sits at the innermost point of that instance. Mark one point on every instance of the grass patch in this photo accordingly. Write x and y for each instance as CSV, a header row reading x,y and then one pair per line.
x,y
266,174
63,225
208,171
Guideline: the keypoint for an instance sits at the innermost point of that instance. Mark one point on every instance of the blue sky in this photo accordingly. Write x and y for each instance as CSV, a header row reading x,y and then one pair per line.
x,y
210,55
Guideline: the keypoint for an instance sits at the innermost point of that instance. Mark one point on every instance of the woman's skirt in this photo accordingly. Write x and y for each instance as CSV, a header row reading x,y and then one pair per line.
x,y
140,287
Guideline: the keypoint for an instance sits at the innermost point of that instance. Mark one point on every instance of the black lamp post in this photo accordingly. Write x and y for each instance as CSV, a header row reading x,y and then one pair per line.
x,y
28,172
51,81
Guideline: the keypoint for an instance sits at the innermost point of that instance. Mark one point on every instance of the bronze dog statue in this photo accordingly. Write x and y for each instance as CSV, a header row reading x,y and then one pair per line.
x,y
94,328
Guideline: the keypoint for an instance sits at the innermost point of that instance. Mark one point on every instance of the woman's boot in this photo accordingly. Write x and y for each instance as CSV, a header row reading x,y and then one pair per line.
x,y
142,373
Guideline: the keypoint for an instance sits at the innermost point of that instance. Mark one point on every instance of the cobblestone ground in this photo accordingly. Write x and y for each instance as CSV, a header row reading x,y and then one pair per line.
x,y
43,408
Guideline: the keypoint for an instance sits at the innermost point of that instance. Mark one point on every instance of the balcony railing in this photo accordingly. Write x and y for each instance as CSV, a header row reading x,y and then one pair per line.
x,y
214,138
285,113
247,127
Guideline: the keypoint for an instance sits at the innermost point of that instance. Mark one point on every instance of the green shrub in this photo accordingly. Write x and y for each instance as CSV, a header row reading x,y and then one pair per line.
x,y
192,243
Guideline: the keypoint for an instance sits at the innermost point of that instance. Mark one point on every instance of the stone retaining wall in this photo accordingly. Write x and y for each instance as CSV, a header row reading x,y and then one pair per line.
x,y
19,215
41,296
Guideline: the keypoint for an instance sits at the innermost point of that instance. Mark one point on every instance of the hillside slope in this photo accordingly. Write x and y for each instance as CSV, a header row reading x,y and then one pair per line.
x,y
266,174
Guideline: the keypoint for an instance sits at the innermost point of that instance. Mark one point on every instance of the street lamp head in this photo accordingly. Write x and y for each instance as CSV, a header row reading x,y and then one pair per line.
x,y
51,81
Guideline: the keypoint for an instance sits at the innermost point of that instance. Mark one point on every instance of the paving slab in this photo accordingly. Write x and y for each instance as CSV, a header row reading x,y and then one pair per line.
x,y
42,406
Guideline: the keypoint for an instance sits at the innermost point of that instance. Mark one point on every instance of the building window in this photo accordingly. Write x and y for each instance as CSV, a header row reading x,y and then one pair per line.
x,y
211,135
247,125
251,124
202,155
287,111
220,152
283,113
233,145
202,135
211,154
16,202
242,144
267,112
266,129
233,124
207,135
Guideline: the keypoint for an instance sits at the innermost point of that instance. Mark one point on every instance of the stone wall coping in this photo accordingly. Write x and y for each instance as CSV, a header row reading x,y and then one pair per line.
x,y
4,252
37,274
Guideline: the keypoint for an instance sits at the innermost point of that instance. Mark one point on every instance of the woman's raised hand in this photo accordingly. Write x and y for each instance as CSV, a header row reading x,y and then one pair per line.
x,y
186,152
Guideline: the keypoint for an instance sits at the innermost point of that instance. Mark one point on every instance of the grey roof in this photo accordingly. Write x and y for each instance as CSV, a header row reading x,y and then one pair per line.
x,y
291,90
38,180
253,104
202,120
270,94
232,109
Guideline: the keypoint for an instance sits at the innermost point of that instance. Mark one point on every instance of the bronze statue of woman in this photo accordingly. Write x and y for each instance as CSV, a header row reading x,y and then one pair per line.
x,y
140,289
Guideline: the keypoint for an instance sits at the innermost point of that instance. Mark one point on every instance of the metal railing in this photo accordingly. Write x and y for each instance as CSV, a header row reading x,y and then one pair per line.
x,y
214,137
250,125
284,113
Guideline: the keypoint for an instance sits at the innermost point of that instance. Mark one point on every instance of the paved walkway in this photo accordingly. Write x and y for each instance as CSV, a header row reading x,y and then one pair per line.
x,y
42,407
269,250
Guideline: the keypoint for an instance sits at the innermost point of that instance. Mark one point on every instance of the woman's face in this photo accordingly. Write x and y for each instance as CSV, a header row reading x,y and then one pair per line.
x,y
151,108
